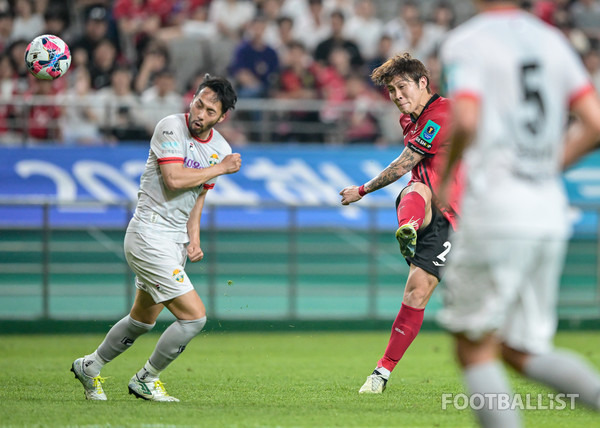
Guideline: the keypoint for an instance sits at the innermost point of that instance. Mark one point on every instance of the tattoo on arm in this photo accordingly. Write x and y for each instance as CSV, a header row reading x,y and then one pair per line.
x,y
407,160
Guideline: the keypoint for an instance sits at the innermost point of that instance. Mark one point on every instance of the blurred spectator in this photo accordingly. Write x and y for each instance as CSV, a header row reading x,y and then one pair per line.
x,y
8,136
298,81
102,64
6,26
295,9
364,28
138,21
591,60
42,120
27,23
271,9
397,28
56,21
255,65
119,108
443,16
231,17
16,53
586,17
160,99
384,52
312,27
154,58
95,29
194,25
562,20
79,120
360,122
433,64
337,40
422,39
285,36
332,84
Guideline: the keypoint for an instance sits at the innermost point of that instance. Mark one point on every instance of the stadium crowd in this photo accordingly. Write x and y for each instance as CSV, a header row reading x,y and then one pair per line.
x,y
136,61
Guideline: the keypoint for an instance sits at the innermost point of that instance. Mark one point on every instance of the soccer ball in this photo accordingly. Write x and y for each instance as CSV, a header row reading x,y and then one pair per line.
x,y
47,57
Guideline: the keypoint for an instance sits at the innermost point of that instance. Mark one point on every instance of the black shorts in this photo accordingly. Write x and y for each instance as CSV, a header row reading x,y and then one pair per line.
x,y
433,245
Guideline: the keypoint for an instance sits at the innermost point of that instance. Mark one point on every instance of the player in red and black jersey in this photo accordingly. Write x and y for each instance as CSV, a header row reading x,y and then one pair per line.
x,y
424,222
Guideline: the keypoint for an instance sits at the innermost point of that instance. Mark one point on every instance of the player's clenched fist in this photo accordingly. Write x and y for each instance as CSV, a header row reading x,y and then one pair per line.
x,y
194,252
350,194
231,163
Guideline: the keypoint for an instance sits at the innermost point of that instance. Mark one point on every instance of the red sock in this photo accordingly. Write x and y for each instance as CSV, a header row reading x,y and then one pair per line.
x,y
404,330
411,208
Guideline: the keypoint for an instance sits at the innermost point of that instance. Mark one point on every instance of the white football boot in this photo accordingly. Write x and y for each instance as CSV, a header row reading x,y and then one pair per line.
x,y
92,386
375,384
153,390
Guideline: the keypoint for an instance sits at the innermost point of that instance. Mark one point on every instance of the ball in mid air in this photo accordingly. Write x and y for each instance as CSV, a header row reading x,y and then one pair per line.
x,y
47,57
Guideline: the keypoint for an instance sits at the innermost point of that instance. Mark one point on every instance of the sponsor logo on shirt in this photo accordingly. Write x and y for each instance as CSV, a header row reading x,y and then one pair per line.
x,y
191,163
178,275
169,145
167,132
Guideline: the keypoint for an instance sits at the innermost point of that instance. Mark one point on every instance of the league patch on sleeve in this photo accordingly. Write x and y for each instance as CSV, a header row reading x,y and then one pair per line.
x,y
426,136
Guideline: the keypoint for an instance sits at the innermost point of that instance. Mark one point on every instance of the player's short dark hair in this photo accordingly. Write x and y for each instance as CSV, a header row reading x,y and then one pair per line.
x,y
223,88
400,65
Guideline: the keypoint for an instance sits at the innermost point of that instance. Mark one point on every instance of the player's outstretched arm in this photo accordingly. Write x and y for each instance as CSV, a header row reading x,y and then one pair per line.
x,y
176,177
407,160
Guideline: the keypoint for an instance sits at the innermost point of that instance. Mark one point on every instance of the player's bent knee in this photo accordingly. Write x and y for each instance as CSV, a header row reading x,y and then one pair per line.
x,y
192,327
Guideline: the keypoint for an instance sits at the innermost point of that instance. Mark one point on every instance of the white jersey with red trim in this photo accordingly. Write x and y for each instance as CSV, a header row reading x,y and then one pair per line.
x,y
161,210
524,74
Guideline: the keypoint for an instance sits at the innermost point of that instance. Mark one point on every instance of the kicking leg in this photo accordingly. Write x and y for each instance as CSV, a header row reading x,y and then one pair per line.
x,y
413,211
418,290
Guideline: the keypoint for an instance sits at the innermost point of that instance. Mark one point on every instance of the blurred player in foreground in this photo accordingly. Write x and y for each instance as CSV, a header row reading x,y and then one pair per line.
x,y
512,80
424,224
186,157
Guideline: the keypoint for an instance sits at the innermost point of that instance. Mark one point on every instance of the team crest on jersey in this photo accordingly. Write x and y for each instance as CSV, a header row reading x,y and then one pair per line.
x,y
178,275
214,159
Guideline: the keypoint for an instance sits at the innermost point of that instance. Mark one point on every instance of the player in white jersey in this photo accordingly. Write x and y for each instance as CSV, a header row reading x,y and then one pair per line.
x,y
186,156
513,80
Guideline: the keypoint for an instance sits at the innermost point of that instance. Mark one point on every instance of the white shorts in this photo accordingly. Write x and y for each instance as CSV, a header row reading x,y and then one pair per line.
x,y
504,285
159,265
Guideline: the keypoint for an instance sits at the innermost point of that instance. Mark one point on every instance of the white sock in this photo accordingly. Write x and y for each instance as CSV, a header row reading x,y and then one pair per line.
x,y
92,364
490,377
385,373
148,373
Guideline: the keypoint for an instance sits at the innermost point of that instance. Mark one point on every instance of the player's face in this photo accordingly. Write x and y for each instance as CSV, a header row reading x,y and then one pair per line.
x,y
407,94
205,112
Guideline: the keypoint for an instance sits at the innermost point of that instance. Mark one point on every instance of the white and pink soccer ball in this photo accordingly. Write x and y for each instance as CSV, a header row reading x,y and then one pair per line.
x,y
47,57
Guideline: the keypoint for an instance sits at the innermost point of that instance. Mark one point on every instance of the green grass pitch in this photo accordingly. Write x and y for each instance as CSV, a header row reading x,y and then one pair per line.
x,y
296,379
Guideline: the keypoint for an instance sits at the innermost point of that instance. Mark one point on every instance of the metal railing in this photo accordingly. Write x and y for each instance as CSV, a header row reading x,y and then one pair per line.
x,y
292,272
259,120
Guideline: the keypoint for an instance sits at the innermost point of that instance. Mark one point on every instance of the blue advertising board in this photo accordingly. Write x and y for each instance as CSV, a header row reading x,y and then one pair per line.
x,y
270,175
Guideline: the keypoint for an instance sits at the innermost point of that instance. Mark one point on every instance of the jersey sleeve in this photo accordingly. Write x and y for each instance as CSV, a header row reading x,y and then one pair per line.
x,y
168,142
224,150
462,73
576,79
428,139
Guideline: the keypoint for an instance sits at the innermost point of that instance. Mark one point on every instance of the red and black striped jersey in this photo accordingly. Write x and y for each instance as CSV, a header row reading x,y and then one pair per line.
x,y
428,135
